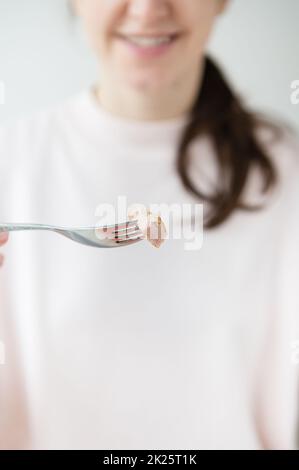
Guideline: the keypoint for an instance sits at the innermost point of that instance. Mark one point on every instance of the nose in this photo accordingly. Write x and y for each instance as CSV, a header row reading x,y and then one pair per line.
x,y
148,9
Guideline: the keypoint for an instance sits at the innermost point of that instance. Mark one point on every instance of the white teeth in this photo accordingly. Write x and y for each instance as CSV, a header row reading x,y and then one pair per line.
x,y
147,42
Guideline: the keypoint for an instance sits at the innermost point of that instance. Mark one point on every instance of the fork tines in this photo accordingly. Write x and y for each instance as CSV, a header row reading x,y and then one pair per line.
x,y
123,232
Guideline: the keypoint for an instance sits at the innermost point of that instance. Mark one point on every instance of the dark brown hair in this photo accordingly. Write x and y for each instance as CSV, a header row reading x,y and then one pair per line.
x,y
220,114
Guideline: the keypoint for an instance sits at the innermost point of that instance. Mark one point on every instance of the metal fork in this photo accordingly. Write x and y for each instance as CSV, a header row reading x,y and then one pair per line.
x,y
107,236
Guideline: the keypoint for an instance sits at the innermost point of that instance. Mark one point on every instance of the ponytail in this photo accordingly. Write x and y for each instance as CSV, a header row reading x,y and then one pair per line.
x,y
220,114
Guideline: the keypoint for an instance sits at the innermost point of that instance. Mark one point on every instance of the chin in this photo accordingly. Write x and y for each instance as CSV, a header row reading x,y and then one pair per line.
x,y
148,80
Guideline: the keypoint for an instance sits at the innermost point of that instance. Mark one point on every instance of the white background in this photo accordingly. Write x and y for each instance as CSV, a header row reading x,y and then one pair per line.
x,y
44,56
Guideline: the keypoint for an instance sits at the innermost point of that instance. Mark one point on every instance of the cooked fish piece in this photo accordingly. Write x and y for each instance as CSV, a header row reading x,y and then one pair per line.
x,y
151,225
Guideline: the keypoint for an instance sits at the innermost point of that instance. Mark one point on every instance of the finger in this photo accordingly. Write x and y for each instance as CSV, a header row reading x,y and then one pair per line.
x,y
3,237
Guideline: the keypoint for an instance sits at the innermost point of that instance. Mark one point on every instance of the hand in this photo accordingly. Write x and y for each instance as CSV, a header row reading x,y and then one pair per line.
x,y
3,239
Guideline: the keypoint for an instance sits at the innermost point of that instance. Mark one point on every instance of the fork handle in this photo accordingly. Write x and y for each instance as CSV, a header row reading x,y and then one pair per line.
x,y
13,227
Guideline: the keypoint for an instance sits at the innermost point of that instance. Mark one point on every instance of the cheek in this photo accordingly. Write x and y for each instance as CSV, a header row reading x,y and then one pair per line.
x,y
200,33
199,17
98,20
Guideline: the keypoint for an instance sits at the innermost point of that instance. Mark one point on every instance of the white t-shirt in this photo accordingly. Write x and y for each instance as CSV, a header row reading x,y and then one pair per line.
x,y
138,347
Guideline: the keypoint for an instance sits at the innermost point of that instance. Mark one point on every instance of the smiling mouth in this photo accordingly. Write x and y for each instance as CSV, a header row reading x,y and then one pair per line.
x,y
149,46
145,42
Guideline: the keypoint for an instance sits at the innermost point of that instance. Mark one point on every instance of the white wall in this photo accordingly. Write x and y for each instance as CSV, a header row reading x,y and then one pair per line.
x,y
44,58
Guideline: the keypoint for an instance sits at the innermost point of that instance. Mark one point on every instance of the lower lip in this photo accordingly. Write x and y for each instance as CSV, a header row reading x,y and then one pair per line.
x,y
150,51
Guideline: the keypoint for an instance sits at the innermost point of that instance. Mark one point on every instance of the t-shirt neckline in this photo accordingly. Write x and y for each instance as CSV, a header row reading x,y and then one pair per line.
x,y
102,122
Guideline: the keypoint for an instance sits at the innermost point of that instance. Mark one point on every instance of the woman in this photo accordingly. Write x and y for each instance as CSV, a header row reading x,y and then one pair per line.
x,y
141,348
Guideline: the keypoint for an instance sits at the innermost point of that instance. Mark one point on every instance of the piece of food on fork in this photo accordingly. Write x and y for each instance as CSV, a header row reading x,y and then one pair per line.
x,y
150,224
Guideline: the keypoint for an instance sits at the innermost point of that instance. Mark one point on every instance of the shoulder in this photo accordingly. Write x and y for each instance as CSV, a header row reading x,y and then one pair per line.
x,y
30,126
281,144
30,133
282,148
